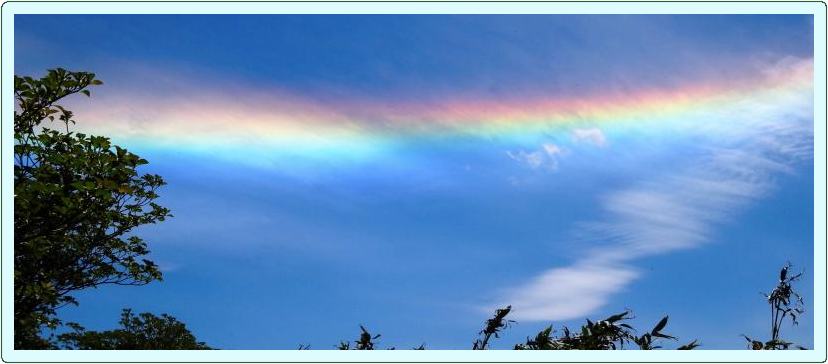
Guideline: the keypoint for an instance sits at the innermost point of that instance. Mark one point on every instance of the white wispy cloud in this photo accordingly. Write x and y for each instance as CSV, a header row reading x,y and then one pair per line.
x,y
590,283
546,156
589,135
748,145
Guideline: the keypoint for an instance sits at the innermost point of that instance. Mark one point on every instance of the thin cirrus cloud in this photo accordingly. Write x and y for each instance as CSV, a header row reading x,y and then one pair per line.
x,y
750,142
548,155
589,135
544,157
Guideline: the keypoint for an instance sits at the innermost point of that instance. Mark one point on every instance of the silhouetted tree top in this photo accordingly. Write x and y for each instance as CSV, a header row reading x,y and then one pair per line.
x,y
77,199
137,332
785,303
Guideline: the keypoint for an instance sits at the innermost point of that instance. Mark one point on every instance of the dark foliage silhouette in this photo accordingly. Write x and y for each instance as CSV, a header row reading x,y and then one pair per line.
x,y
142,332
77,198
608,334
365,341
493,326
785,303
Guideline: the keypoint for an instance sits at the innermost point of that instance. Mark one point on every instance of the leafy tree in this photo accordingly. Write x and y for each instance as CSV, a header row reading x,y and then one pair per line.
x,y
648,339
493,327
365,341
77,198
784,303
608,334
142,332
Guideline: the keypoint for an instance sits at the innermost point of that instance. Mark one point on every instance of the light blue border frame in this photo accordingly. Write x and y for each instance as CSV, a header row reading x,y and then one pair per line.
x,y
818,9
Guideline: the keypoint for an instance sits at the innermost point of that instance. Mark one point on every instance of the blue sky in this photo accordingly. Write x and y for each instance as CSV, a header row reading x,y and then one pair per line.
x,y
417,233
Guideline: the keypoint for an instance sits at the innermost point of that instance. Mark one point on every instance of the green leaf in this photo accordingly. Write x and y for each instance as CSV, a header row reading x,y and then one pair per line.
x,y
660,325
